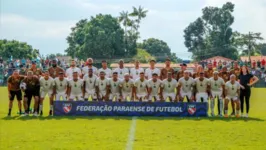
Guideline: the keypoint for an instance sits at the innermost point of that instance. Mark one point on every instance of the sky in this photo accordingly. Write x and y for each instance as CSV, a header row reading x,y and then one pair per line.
x,y
45,24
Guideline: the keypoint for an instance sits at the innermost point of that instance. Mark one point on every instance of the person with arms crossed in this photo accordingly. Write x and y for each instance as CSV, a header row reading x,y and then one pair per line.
x,y
185,87
121,70
180,73
202,86
149,71
89,86
114,88
196,74
13,85
55,70
141,88
134,72
70,71
127,88
167,69
47,86
60,87
168,88
102,87
75,88
105,69
154,88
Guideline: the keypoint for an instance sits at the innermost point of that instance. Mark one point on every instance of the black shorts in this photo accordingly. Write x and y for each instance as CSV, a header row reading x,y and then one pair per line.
x,y
17,94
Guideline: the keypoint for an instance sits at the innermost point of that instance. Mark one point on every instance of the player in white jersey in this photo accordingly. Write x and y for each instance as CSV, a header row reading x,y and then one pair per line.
x,y
217,91
168,87
88,66
154,88
72,69
134,72
141,85
102,87
202,88
126,88
46,88
151,70
121,70
185,87
89,86
232,92
60,88
105,69
114,88
75,88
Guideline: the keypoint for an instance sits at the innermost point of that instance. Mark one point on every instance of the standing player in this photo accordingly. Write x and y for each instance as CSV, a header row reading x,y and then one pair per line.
x,y
168,88
105,69
141,86
232,92
88,66
70,71
13,83
217,91
75,88
60,87
114,88
47,84
154,88
149,71
126,88
180,73
102,87
121,70
167,69
202,88
134,72
89,83
198,71
55,70
185,87
209,72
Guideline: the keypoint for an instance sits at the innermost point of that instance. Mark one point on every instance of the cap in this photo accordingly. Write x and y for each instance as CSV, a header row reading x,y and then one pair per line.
x,y
183,64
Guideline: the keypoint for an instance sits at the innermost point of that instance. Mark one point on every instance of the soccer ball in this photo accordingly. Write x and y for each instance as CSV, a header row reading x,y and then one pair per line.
x,y
23,85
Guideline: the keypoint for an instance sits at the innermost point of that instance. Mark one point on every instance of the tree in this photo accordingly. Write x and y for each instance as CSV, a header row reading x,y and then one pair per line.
x,y
175,59
155,47
100,37
143,56
17,50
140,13
211,34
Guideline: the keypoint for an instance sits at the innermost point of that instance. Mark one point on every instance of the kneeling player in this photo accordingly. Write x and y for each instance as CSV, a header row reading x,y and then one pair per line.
x,y
232,93
60,88
154,88
202,88
185,87
89,83
126,88
141,86
75,88
168,88
46,88
102,87
114,88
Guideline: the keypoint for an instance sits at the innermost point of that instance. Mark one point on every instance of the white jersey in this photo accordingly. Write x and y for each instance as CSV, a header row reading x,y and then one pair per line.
x,y
141,86
149,72
186,85
127,86
90,82
46,85
114,85
155,86
76,86
108,72
60,86
102,84
202,85
85,70
134,73
69,72
121,72
216,85
232,88
169,87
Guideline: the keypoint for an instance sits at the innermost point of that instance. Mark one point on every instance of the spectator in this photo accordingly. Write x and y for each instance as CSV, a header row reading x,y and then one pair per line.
x,y
258,64
220,65
263,64
253,64
214,63
23,61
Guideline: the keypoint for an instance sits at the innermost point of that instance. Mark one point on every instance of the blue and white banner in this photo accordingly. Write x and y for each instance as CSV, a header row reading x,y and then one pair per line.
x,y
167,109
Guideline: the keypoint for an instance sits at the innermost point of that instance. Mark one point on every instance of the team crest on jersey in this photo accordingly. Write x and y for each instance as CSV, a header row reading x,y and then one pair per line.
x,y
67,107
191,109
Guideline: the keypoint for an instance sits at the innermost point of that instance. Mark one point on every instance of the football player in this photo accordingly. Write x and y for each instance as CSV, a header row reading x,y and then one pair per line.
x,y
141,86
154,88
180,73
202,88
102,87
60,88
75,88
185,86
126,88
167,69
134,72
198,71
114,88
149,71
217,91
47,85
121,70
168,88
105,69
89,86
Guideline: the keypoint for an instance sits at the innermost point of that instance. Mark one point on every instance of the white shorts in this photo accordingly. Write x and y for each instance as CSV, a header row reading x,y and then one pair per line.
x,y
126,95
102,94
142,96
171,95
157,97
78,97
234,98
59,95
184,94
217,93
90,93
115,96
44,93
202,95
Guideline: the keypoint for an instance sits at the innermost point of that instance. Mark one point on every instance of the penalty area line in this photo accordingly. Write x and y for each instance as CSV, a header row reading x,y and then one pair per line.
x,y
131,134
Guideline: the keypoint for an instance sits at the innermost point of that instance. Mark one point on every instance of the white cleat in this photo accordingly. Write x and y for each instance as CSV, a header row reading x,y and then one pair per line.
x,y
246,115
212,114
242,116
35,114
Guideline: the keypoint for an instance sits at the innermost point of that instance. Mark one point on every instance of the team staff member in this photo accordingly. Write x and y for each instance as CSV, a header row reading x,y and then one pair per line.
x,y
54,70
209,72
36,71
247,80
13,83
180,73
167,69
31,90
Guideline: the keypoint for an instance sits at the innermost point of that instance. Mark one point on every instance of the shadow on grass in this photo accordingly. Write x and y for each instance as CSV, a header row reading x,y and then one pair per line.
x,y
144,118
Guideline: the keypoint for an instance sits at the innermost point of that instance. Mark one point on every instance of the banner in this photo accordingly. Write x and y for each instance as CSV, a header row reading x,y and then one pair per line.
x,y
166,109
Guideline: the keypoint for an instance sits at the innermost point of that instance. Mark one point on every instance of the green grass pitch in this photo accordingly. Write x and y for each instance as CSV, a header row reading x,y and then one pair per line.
x,y
118,133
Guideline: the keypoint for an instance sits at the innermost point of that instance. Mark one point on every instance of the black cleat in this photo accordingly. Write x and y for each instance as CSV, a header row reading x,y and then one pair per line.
x,y
41,113
232,114
50,113
9,115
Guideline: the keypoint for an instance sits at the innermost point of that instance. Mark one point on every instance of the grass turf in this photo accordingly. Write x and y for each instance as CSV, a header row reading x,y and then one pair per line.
x,y
46,132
